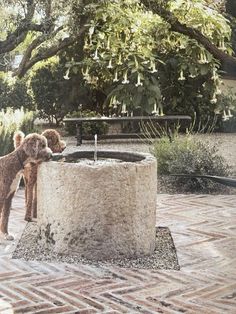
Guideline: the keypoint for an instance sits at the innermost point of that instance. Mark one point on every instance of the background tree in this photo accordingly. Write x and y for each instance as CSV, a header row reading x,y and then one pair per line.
x,y
137,60
14,93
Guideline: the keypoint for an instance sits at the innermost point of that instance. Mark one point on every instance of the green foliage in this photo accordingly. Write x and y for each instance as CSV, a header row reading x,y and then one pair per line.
x,y
186,155
98,128
11,121
14,93
51,92
133,54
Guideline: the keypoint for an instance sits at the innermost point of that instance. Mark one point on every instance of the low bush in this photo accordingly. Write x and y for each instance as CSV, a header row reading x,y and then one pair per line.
x,y
98,128
11,121
186,155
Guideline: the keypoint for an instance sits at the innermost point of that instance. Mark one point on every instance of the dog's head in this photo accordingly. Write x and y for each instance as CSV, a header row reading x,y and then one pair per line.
x,y
54,141
36,148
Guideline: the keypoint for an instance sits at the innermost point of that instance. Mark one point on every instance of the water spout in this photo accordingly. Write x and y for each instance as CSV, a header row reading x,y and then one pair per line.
x,y
95,147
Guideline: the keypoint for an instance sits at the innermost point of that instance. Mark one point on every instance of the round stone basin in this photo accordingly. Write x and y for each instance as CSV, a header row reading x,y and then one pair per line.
x,y
99,210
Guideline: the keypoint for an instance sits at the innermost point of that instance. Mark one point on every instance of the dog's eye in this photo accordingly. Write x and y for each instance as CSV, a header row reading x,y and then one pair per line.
x,y
43,145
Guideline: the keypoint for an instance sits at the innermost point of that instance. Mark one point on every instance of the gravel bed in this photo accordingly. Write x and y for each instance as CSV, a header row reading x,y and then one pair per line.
x,y
164,257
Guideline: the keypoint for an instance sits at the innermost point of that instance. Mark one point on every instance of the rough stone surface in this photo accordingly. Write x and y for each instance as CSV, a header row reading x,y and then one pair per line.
x,y
164,256
99,211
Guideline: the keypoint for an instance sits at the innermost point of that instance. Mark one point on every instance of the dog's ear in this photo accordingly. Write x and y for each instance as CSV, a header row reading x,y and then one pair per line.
x,y
18,138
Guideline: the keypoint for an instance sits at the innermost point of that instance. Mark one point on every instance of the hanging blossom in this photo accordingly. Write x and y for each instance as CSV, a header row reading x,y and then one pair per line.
x,y
119,60
125,80
203,58
214,75
66,76
154,111
139,83
181,76
110,66
116,77
213,99
225,116
153,67
123,109
222,44
160,110
86,72
192,75
96,57
114,102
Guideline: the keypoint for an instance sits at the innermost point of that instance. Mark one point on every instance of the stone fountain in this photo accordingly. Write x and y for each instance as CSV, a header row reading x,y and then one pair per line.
x,y
102,209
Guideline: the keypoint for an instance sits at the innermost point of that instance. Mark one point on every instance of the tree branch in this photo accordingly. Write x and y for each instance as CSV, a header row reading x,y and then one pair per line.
x,y
28,62
19,35
176,26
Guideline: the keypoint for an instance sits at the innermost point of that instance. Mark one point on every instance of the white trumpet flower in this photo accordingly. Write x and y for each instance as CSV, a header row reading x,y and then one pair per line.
x,y
181,76
154,111
160,109
125,80
153,67
96,55
123,109
86,72
66,76
119,60
222,44
214,99
116,77
203,58
225,116
139,83
110,66
192,75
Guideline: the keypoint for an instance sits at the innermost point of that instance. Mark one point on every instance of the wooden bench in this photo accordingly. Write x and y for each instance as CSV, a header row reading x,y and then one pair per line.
x,y
166,118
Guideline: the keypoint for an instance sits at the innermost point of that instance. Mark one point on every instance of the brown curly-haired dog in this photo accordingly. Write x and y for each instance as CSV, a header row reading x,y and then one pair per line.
x,y
32,149
30,171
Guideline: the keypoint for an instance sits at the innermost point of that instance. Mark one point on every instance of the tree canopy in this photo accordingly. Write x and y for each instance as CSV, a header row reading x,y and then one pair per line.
x,y
136,53
51,27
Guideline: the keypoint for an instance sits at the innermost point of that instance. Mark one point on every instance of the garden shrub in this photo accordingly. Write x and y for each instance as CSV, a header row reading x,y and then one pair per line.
x,y
11,121
88,128
186,155
14,94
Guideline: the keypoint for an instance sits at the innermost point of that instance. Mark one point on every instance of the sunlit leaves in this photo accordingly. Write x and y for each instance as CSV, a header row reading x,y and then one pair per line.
x,y
126,46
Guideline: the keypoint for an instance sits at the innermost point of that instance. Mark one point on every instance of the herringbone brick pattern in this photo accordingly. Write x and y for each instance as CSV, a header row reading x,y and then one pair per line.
x,y
204,231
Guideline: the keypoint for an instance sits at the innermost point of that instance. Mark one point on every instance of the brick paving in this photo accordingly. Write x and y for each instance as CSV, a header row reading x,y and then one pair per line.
x,y
204,231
